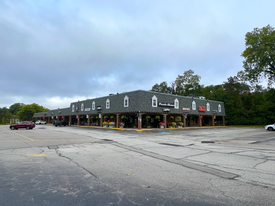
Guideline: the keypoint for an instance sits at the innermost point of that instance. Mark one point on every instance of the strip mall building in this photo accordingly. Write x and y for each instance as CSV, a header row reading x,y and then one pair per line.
x,y
140,109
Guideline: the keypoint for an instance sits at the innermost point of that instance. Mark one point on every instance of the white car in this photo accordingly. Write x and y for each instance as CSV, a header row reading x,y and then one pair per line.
x,y
270,127
40,122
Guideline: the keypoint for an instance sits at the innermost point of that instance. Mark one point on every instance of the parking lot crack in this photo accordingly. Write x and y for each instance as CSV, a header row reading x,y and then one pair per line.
x,y
60,155
199,154
256,165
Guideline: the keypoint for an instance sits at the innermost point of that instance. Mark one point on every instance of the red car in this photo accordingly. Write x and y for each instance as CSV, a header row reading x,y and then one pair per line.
x,y
25,124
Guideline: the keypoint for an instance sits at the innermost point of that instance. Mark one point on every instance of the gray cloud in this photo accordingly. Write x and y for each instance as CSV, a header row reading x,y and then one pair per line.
x,y
65,49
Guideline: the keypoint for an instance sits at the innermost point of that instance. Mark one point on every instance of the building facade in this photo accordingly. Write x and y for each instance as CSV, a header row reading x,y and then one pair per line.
x,y
140,109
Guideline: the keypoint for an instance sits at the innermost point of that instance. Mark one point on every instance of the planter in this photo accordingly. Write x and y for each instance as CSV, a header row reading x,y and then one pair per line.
x,y
170,127
161,126
111,126
105,126
179,126
120,126
148,126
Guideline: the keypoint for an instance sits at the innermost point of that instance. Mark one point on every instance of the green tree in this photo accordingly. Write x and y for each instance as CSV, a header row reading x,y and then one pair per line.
x,y
15,108
27,111
5,115
188,83
162,87
259,55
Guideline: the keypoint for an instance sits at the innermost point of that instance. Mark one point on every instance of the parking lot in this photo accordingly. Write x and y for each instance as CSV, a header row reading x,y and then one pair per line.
x,y
85,166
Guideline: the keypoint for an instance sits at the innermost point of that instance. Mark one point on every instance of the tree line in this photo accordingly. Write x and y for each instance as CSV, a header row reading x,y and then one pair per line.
x,y
246,101
20,112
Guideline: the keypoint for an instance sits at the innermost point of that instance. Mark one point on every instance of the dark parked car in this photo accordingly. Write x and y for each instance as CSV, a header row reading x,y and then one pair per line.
x,y
60,123
25,124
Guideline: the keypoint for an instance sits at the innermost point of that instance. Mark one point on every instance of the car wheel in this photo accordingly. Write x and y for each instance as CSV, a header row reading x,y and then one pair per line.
x,y
12,128
269,128
27,127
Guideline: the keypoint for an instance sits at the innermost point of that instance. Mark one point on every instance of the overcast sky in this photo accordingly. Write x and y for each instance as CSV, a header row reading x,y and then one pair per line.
x,y
53,52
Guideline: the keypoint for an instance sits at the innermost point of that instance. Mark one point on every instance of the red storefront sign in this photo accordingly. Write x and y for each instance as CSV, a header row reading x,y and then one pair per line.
x,y
202,108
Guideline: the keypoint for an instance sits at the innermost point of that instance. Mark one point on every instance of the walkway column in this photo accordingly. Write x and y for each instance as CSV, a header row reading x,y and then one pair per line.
x,y
78,120
89,120
184,120
164,120
139,121
223,121
117,120
101,120
70,120
213,120
200,122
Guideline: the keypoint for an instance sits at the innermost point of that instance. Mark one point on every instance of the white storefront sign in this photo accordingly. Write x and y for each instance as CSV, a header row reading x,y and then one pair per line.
x,y
166,105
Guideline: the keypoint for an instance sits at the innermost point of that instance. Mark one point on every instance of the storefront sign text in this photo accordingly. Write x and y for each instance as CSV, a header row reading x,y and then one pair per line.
x,y
202,108
166,104
186,109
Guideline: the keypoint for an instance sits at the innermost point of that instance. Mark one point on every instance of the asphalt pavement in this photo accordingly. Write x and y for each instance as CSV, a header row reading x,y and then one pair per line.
x,y
89,166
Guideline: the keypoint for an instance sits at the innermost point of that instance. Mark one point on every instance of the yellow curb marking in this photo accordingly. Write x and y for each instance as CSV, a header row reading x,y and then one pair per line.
x,y
23,136
38,155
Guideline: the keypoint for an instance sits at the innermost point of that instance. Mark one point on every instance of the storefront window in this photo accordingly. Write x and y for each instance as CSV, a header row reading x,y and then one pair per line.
x,y
73,108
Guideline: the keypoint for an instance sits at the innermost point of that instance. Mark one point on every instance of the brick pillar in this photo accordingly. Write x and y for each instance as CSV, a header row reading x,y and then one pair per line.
x,y
117,120
165,120
89,120
223,121
213,120
101,120
78,120
200,121
139,121
184,121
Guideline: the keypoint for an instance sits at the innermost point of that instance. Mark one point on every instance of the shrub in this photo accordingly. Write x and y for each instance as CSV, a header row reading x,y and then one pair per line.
x,y
172,124
179,123
121,124
111,123
161,123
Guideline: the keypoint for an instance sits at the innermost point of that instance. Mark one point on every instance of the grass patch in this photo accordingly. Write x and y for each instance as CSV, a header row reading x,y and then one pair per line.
x,y
253,126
